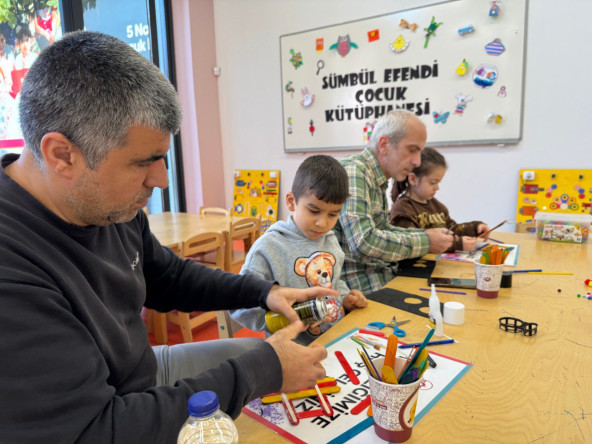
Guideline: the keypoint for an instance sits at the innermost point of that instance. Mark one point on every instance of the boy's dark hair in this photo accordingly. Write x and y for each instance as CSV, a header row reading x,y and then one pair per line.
x,y
430,158
324,177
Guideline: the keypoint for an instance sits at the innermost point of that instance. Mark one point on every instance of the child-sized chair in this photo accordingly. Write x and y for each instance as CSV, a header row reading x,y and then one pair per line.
x,y
201,243
246,230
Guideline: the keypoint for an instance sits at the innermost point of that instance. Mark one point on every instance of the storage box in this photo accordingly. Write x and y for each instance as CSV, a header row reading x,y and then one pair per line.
x,y
563,227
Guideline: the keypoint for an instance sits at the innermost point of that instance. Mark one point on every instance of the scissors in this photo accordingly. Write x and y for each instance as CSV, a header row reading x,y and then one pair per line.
x,y
394,324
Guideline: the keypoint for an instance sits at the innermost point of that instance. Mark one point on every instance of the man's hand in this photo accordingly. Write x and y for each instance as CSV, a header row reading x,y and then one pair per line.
x,y
469,243
281,299
354,299
440,239
301,366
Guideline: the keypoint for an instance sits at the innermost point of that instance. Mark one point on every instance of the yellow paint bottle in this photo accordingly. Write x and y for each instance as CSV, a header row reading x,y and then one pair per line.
x,y
309,312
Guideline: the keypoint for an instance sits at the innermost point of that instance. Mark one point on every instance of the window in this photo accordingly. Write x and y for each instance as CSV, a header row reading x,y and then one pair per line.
x,y
28,26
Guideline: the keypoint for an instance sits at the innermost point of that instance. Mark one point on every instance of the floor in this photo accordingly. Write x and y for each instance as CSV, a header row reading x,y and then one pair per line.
x,y
205,332
208,331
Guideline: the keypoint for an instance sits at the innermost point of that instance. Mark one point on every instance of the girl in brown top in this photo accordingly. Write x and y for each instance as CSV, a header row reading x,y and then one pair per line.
x,y
414,204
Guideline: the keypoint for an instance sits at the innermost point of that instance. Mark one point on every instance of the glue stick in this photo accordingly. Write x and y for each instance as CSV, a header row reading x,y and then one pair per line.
x,y
435,313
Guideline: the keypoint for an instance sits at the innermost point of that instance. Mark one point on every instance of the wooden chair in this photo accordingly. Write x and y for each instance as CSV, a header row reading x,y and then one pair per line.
x,y
195,245
213,211
246,230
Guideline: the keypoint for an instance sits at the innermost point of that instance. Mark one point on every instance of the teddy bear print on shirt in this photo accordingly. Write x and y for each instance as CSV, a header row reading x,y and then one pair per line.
x,y
317,269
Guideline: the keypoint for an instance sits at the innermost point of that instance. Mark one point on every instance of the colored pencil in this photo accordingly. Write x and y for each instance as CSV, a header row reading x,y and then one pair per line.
x,y
549,272
357,341
443,291
525,271
443,341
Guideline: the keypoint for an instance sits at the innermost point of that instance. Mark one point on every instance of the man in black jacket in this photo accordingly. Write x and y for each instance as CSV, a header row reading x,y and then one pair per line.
x,y
78,262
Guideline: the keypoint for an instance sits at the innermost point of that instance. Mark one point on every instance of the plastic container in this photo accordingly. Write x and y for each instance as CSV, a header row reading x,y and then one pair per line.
x,y
206,422
563,227
309,312
435,313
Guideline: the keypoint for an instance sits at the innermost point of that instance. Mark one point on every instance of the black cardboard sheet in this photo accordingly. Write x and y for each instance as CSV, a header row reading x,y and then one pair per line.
x,y
417,268
396,298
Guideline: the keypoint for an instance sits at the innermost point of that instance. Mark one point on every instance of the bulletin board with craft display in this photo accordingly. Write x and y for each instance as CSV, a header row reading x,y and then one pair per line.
x,y
256,194
457,65
553,191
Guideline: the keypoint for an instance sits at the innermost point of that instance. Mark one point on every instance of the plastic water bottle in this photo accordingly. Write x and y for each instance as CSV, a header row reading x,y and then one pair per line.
x,y
206,422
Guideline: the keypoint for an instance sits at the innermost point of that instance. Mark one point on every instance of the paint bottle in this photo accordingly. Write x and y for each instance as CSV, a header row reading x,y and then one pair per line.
x,y
435,313
309,312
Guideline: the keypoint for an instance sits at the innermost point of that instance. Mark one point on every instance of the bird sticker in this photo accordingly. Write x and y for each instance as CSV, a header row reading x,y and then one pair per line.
x,y
343,45
399,45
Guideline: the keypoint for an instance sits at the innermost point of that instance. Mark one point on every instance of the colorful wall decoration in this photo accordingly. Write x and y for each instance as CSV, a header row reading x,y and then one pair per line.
x,y
256,193
458,65
553,191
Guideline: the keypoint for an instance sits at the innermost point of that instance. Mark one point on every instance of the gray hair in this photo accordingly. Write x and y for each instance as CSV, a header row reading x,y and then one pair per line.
x,y
392,125
92,88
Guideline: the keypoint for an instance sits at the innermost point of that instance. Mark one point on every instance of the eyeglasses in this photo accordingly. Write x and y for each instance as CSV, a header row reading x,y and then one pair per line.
x,y
515,325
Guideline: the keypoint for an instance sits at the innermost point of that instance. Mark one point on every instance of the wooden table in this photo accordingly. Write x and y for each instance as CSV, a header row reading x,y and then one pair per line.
x,y
521,389
173,228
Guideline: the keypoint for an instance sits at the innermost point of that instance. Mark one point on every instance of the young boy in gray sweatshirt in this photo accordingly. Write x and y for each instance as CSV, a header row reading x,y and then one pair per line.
x,y
303,251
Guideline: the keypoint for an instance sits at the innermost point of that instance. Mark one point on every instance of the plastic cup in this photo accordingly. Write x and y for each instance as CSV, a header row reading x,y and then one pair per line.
x,y
489,279
393,405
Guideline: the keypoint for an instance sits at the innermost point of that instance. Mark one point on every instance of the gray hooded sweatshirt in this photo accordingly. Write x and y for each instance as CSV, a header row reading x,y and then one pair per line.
x,y
283,254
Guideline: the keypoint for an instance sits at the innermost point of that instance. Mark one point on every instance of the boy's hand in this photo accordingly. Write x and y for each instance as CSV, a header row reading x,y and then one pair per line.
x,y
301,366
469,243
281,299
354,299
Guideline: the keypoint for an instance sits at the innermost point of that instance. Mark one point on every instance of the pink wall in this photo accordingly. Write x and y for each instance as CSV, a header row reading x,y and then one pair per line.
x,y
195,55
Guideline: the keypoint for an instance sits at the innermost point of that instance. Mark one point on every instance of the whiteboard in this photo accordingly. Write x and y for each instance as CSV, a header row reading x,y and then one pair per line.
x,y
334,88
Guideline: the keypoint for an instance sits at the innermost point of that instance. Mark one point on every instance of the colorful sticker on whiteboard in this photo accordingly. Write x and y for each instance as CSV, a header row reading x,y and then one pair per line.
x,y
405,24
502,93
461,103
373,35
290,88
441,117
461,70
494,11
343,45
485,75
431,30
320,45
399,45
307,98
466,30
368,128
311,128
495,47
296,59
